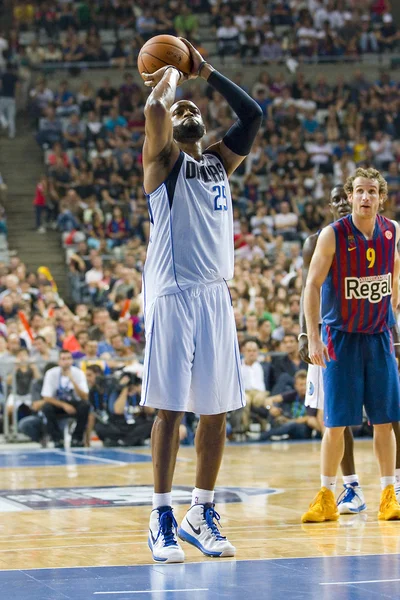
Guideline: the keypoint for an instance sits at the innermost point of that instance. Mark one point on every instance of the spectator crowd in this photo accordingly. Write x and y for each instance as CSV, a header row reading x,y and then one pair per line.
x,y
60,360
112,33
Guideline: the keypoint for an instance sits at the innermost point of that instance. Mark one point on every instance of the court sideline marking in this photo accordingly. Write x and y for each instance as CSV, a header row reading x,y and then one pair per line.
x,y
87,457
197,562
153,591
355,582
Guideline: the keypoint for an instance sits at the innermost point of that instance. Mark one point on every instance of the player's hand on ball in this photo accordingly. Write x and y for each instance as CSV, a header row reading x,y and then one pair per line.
x,y
196,57
318,352
152,79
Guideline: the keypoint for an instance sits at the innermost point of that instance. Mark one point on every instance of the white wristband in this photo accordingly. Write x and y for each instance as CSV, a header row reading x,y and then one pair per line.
x,y
300,336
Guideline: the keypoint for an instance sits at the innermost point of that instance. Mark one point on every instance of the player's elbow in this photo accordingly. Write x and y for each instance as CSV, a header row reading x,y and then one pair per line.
x,y
155,109
253,119
256,114
312,294
311,286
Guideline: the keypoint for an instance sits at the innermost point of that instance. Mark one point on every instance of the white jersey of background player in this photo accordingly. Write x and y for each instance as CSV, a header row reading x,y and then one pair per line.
x,y
340,207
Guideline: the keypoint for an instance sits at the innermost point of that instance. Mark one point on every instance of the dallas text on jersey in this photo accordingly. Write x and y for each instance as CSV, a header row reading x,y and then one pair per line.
x,y
205,173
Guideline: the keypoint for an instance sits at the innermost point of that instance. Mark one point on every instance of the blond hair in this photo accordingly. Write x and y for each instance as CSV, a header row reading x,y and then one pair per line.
x,y
369,173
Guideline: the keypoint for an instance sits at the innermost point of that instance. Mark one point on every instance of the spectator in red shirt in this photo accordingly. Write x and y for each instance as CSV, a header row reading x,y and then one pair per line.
x,y
39,203
57,152
117,229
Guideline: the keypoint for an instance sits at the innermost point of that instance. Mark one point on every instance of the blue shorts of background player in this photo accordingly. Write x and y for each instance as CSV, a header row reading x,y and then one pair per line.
x,y
362,372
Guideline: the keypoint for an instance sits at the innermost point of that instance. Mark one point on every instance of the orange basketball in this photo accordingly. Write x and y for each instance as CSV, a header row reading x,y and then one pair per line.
x,y
162,50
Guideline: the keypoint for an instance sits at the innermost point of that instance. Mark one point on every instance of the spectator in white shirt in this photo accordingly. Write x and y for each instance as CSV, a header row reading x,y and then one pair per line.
x,y
320,16
255,388
336,17
320,153
228,37
12,286
3,48
252,371
343,168
65,392
286,222
306,38
243,17
250,250
95,275
381,146
36,324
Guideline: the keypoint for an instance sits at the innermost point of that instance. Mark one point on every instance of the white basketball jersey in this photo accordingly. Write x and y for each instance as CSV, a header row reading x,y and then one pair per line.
x,y
191,231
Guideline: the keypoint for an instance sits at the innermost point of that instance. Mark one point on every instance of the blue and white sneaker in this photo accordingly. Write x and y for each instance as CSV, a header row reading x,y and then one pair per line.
x,y
200,528
351,500
163,540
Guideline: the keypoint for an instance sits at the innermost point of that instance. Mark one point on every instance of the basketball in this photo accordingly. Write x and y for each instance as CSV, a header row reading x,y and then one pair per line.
x,y
163,50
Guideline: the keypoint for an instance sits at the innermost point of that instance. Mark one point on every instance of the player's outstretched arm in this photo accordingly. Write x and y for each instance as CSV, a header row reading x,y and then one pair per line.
x,y
237,142
319,268
159,149
308,251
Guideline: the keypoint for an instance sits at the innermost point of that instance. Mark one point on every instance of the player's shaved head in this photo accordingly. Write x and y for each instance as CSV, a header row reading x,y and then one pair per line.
x,y
337,192
339,203
187,122
180,104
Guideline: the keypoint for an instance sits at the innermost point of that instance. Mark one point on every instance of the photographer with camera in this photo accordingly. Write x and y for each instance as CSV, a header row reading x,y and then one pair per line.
x,y
33,425
116,415
65,392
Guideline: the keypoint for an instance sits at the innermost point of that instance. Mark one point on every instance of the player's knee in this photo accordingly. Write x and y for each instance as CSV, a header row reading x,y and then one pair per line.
x,y
170,418
383,429
214,421
334,432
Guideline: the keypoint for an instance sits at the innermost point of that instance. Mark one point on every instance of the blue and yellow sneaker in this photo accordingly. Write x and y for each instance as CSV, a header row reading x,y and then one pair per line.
x,y
163,539
351,500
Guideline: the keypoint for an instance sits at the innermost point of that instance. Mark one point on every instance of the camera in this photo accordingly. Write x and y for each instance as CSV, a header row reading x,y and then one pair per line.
x,y
101,382
127,379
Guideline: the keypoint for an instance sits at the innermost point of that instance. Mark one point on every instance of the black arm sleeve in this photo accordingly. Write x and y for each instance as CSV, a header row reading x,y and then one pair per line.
x,y
240,137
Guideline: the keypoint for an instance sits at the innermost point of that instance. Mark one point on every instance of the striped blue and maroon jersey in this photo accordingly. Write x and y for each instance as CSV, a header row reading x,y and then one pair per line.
x,y
356,295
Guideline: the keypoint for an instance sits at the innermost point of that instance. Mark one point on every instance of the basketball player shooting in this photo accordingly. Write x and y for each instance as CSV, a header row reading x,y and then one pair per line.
x,y
192,356
356,265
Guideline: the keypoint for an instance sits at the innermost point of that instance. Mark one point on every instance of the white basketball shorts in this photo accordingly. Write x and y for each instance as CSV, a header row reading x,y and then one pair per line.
x,y
192,359
315,387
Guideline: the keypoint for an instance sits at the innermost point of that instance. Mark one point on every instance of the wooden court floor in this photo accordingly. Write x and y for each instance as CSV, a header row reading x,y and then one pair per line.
x,y
266,489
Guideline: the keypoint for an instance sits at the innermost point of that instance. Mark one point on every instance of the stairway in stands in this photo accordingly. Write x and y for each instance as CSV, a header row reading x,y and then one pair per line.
x,y
21,166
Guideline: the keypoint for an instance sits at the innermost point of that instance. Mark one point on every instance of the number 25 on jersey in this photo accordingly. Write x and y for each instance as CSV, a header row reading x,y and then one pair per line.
x,y
220,201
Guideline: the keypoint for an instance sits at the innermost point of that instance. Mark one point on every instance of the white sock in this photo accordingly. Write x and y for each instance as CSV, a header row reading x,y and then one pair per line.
x,y
397,475
329,483
162,499
385,481
202,496
351,479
